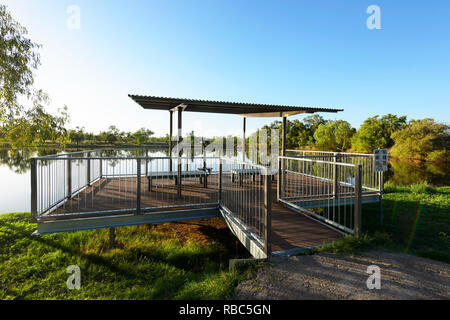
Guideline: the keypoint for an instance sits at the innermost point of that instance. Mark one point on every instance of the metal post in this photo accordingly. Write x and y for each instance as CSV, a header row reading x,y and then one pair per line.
x,y
358,195
33,190
283,153
243,137
100,168
69,178
146,162
179,151
88,169
220,180
381,174
112,237
336,159
170,140
279,187
283,142
138,186
267,215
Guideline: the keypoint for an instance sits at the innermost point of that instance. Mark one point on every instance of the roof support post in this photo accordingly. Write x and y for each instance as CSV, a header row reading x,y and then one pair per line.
x,y
179,150
243,137
170,139
283,143
282,173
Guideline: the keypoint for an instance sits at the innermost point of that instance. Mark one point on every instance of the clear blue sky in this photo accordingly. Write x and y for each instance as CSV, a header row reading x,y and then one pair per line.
x,y
307,53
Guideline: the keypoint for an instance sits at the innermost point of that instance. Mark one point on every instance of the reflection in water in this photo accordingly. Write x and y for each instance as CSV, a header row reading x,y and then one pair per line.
x,y
400,172
409,172
17,161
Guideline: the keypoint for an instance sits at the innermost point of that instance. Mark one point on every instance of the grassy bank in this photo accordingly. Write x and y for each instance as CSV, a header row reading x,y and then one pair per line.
x,y
416,221
167,261
190,260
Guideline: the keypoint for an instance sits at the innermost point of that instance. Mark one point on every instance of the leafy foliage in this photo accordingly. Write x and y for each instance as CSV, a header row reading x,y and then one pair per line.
x,y
376,133
77,135
142,135
35,125
423,140
18,59
334,135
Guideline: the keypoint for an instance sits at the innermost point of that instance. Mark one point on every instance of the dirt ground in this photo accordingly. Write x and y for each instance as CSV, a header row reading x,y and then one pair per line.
x,y
329,276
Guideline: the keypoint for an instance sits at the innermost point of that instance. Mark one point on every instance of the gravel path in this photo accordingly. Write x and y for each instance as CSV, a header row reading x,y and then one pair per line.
x,y
329,276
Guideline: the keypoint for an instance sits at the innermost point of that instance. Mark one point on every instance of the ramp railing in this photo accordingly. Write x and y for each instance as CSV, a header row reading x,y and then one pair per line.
x,y
328,191
371,180
99,181
245,193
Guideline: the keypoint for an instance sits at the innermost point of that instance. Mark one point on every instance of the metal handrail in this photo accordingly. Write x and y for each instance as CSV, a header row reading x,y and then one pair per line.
x,y
300,186
57,180
317,161
333,153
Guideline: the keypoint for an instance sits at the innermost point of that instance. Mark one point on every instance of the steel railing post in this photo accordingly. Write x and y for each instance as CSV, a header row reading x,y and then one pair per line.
x,y
336,159
179,178
88,169
279,187
267,214
69,178
100,169
146,162
381,196
358,195
138,186
33,190
220,180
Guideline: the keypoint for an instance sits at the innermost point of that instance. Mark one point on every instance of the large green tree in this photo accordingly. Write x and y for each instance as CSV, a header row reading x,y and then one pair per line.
x,y
298,135
77,135
423,140
18,58
142,135
377,132
23,126
334,135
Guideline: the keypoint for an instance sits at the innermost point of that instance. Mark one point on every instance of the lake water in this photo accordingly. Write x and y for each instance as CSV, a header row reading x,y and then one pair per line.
x,y
15,177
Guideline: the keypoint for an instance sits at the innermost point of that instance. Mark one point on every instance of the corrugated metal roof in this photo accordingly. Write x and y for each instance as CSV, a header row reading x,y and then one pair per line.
x,y
210,106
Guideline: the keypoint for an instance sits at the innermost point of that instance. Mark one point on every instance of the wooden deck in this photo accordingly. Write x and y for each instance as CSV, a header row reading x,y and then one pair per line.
x,y
290,229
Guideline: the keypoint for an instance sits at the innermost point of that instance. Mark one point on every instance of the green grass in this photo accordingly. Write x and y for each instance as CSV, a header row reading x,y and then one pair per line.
x,y
147,263
158,263
416,220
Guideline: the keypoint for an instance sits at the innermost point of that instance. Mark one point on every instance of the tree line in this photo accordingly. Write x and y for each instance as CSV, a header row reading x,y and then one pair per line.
x,y
423,139
113,136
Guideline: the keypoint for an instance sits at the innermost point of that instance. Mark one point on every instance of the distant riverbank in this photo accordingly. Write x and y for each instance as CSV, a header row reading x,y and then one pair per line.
x,y
93,145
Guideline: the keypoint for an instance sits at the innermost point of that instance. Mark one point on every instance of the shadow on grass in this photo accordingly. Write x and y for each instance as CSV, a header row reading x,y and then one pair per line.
x,y
163,271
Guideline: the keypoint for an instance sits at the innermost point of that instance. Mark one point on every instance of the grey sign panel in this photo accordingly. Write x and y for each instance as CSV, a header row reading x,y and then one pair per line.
x,y
380,160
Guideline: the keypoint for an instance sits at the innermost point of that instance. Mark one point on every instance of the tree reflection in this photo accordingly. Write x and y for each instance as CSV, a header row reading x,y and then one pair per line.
x,y
413,172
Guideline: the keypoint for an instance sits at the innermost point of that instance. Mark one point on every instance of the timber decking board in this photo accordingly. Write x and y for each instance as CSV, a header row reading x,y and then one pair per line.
x,y
290,229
